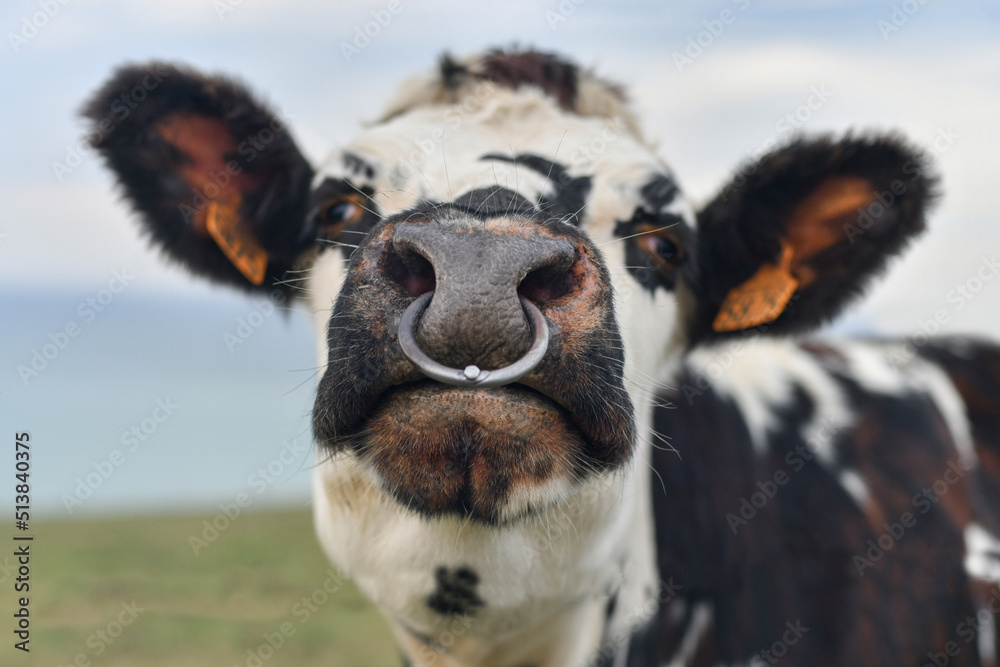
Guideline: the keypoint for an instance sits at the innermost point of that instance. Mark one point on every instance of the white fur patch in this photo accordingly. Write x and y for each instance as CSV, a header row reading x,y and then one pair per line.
x,y
563,560
986,639
759,375
877,367
855,485
701,621
982,553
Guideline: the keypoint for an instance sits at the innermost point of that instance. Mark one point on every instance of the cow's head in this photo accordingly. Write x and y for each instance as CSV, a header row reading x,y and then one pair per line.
x,y
504,223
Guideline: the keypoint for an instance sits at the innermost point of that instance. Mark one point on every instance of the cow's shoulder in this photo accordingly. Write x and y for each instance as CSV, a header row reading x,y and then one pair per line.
x,y
809,478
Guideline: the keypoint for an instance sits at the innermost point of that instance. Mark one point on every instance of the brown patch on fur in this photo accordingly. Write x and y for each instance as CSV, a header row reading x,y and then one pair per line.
x,y
447,449
556,77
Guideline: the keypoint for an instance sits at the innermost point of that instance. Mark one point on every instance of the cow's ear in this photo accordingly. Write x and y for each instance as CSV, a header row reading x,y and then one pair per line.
x,y
214,174
797,234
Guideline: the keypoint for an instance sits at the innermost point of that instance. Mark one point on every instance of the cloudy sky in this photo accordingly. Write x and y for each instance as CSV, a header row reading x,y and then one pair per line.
x,y
713,81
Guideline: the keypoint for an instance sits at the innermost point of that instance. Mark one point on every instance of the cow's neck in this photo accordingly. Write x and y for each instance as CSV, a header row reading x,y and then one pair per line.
x,y
534,593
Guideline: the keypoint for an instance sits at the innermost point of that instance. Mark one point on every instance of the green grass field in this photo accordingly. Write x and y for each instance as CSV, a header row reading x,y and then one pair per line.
x,y
209,609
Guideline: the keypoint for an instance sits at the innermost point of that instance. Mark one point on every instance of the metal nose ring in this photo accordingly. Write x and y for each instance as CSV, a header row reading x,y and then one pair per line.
x,y
472,375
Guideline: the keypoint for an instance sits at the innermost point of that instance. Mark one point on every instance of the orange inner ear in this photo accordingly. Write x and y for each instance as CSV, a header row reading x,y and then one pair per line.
x,y
206,144
246,254
818,222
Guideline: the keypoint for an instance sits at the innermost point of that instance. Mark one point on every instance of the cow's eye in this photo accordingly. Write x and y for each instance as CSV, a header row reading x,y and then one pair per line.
x,y
335,214
666,250
663,249
340,211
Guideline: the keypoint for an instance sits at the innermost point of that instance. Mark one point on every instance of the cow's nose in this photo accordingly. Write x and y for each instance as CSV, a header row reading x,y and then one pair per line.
x,y
479,277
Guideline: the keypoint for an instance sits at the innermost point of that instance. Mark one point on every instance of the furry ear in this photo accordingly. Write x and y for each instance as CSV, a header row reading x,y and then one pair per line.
x,y
215,175
796,235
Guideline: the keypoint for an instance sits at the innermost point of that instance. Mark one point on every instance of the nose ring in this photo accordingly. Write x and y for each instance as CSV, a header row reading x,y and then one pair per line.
x,y
472,375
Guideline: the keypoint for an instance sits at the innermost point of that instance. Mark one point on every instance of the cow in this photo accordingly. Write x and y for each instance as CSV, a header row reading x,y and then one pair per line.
x,y
568,418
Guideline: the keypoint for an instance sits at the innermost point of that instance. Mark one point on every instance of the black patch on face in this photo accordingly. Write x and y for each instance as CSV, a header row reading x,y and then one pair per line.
x,y
358,165
661,191
659,246
609,609
456,591
489,202
570,196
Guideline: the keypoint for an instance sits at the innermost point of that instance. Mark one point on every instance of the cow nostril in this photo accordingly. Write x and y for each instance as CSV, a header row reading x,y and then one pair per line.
x,y
546,284
412,271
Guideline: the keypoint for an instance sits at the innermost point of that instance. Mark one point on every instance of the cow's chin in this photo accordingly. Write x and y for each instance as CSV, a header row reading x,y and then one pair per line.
x,y
492,455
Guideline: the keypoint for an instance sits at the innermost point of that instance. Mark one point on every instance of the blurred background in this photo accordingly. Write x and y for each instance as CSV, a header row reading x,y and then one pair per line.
x,y
117,363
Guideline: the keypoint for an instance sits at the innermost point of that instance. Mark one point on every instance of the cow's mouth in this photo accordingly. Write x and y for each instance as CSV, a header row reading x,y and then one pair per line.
x,y
491,454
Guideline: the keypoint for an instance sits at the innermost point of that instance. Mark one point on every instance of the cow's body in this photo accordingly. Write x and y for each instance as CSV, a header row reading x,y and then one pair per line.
x,y
677,479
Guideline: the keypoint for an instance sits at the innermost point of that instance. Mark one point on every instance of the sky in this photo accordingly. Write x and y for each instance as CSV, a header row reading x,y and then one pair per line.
x,y
713,82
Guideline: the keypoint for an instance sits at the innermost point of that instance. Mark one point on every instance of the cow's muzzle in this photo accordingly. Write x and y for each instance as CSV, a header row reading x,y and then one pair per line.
x,y
472,375
475,366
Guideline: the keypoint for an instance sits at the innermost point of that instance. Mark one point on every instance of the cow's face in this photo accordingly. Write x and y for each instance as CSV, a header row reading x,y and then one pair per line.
x,y
496,215
500,268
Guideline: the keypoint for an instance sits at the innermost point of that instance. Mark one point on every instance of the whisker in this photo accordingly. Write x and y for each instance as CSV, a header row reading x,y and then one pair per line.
x,y
338,243
632,236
